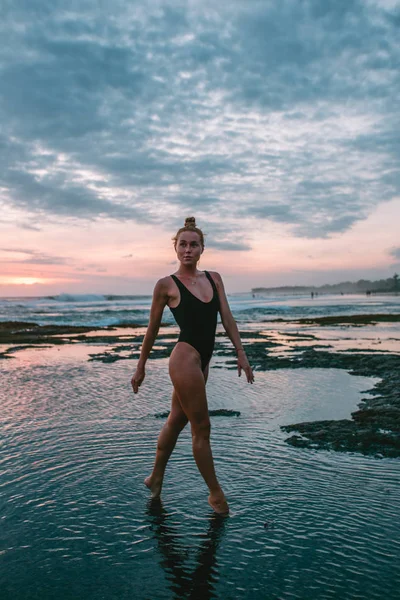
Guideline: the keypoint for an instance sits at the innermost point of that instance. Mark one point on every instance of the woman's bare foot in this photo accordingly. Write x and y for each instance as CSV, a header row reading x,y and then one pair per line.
x,y
154,486
218,503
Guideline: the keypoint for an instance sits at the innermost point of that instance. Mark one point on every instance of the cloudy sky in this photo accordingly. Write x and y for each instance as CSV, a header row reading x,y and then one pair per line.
x,y
274,122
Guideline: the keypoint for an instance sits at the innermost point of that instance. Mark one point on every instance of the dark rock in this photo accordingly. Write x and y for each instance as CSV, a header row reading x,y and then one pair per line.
x,y
344,319
218,412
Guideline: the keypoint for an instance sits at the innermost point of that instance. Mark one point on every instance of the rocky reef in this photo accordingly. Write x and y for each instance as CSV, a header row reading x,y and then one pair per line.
x,y
374,429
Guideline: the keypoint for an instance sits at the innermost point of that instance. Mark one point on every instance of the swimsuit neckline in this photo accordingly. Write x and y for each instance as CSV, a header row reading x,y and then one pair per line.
x,y
186,288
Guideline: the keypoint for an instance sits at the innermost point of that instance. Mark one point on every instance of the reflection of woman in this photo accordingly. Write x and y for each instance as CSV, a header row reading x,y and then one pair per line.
x,y
197,582
195,310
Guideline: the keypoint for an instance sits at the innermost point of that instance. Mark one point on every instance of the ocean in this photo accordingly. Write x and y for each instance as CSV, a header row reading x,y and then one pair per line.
x,y
104,310
76,444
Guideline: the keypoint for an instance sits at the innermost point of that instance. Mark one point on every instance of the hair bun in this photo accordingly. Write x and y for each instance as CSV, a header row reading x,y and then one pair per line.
x,y
190,225
190,222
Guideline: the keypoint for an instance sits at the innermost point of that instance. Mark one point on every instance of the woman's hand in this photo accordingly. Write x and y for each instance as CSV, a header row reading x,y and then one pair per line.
x,y
243,363
137,379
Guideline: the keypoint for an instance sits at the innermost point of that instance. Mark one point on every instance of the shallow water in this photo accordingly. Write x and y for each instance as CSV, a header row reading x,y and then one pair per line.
x,y
381,337
76,518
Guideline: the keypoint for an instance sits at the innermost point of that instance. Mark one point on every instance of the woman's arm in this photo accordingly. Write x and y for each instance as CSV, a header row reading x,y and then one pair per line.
x,y
231,329
160,299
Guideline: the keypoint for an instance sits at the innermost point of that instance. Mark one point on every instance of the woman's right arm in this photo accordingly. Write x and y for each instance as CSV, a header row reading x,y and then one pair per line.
x,y
160,299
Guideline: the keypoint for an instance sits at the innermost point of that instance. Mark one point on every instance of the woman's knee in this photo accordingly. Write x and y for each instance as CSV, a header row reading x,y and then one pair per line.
x,y
201,428
177,422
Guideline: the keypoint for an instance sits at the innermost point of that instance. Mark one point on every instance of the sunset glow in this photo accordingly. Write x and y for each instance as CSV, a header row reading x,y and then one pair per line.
x,y
21,280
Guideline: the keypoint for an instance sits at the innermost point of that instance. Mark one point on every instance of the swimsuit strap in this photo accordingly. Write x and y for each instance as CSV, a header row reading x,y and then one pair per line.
x,y
179,284
211,280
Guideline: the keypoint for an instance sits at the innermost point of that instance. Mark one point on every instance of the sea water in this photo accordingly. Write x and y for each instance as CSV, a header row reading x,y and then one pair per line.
x,y
103,310
77,522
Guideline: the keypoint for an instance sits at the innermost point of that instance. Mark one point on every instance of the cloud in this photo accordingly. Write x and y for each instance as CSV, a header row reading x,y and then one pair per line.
x,y
282,112
229,245
28,226
32,257
18,250
395,252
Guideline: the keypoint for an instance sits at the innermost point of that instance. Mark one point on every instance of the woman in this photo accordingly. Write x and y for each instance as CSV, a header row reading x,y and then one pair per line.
x,y
194,297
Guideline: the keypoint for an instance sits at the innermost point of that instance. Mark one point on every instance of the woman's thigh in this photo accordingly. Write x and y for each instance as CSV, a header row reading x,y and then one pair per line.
x,y
177,416
184,352
189,382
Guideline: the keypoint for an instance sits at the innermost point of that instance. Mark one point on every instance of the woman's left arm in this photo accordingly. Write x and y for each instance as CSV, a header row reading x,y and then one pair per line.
x,y
231,329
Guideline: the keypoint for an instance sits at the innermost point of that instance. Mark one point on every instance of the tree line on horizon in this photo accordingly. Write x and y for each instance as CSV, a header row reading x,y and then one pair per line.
x,y
363,286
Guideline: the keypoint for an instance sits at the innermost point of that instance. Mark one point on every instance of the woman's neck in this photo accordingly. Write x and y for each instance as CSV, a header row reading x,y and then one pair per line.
x,y
188,271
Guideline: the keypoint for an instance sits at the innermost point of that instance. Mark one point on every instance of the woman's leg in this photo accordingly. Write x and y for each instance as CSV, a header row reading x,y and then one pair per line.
x,y
189,384
167,439
166,443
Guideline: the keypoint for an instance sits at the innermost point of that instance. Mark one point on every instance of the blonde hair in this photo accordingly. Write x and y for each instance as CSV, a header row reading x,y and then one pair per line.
x,y
190,225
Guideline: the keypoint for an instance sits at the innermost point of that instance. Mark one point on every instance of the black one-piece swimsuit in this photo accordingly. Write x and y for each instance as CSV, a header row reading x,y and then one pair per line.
x,y
197,320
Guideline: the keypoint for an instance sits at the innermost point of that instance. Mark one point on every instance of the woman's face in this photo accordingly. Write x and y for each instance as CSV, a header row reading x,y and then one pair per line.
x,y
188,248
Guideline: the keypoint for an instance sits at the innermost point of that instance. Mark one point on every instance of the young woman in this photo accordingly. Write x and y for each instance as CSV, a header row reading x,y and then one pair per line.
x,y
195,298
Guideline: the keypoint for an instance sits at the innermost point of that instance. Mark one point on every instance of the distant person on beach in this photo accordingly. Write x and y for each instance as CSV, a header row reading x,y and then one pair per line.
x,y
194,298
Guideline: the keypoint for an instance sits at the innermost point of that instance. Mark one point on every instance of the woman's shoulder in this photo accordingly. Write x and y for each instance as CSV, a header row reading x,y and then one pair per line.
x,y
163,285
216,277
164,280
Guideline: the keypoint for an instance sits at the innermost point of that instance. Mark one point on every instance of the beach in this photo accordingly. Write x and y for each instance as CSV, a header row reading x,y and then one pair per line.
x,y
308,456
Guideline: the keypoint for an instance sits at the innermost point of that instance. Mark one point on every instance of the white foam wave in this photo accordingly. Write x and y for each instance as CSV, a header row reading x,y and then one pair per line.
x,y
78,297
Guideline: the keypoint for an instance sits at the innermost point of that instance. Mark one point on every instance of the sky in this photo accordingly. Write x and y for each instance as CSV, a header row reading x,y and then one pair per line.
x,y
274,122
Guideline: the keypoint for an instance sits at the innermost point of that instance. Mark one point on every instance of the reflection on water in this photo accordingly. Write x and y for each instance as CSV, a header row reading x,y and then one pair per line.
x,y
186,581
292,338
75,446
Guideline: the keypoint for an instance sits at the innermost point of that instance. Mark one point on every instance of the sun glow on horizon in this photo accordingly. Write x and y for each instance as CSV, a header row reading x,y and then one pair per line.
x,y
23,280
